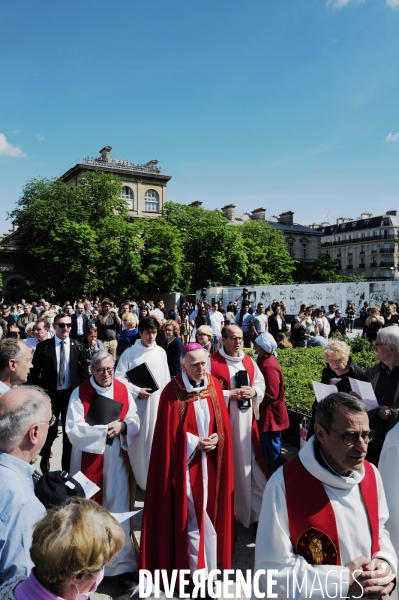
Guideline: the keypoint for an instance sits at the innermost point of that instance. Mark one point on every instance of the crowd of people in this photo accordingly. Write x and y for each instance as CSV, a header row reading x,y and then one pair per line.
x,y
169,401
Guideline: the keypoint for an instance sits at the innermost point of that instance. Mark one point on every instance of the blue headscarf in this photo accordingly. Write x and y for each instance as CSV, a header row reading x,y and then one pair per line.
x,y
267,342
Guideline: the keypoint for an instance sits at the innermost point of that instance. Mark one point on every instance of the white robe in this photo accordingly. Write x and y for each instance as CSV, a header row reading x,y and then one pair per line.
x,y
147,409
388,466
202,417
249,479
86,438
273,543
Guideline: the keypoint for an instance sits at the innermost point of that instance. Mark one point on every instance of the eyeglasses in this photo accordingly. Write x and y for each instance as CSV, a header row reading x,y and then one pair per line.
x,y
103,370
51,422
350,439
202,335
235,338
63,325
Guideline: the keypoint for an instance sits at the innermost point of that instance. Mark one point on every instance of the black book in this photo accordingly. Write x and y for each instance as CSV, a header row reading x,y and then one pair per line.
x,y
103,410
241,380
142,377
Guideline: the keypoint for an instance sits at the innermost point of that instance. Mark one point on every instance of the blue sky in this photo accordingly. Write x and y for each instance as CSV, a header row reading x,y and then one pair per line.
x,y
285,104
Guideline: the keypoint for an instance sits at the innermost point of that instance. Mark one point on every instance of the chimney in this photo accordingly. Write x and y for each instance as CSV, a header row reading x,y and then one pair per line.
x,y
368,215
392,213
259,214
196,203
287,217
340,220
325,224
229,211
106,153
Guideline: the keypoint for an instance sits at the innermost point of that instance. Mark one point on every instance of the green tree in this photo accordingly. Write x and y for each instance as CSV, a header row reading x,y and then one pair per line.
x,y
213,249
268,258
76,240
162,257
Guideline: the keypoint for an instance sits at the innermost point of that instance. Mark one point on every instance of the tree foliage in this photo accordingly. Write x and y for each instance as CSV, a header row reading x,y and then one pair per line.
x,y
324,269
76,240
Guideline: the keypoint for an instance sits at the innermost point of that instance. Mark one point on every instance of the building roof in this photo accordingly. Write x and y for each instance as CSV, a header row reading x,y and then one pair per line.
x,y
275,222
361,224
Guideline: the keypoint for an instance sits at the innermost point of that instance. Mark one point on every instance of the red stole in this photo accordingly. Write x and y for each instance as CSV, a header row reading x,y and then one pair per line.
x,y
313,528
220,370
92,465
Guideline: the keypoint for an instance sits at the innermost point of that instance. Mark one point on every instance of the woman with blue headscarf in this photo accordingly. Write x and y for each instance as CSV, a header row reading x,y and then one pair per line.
x,y
273,417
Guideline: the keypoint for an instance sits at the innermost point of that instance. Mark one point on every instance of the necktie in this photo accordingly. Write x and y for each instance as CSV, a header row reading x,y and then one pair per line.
x,y
61,375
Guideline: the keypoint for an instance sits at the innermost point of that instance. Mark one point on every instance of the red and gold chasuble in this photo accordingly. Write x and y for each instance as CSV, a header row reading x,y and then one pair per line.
x,y
313,528
220,370
92,465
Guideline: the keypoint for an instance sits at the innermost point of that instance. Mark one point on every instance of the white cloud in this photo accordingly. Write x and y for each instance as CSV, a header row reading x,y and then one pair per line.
x,y
7,149
341,3
15,131
392,137
392,3
40,138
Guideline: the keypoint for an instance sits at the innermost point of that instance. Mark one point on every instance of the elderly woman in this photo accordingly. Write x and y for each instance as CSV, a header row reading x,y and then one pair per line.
x,y
340,366
101,424
273,415
174,346
128,336
70,547
204,337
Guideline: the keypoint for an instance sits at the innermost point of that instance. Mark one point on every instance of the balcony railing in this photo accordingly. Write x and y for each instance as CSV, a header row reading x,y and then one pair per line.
x,y
374,264
387,250
349,266
374,251
363,240
362,252
362,266
387,264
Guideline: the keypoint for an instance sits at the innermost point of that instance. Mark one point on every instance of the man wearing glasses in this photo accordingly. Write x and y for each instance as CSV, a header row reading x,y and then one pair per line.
x,y
25,417
243,389
58,367
100,443
323,513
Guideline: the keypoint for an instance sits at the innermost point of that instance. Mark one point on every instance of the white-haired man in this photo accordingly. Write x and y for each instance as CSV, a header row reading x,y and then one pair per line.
x,y
384,377
188,520
25,417
243,389
100,444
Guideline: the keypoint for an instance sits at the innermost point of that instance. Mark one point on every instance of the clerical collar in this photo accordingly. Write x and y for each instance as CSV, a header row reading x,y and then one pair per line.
x,y
323,462
195,384
232,358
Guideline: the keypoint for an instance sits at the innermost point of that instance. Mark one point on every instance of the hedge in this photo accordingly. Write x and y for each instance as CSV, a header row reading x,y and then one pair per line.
x,y
302,365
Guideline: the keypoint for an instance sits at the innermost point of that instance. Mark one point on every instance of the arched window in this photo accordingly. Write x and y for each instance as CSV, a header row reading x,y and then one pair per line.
x,y
127,194
151,201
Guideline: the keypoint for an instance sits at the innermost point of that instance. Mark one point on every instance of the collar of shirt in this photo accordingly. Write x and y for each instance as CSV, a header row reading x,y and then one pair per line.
x,y
17,465
386,369
188,383
58,341
323,462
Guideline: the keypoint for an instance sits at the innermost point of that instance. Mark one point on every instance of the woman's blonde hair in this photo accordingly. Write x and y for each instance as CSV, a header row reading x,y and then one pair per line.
x,y
176,328
131,318
337,351
206,330
80,535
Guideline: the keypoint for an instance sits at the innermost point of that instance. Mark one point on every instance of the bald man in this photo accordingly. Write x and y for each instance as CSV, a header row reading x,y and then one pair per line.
x,y
25,417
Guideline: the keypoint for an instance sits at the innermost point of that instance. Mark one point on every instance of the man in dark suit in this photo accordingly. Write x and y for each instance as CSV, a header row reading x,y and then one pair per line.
x,y
58,367
80,323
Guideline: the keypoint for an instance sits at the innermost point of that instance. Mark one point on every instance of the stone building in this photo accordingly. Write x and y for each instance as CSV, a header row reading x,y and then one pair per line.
x,y
143,186
303,243
367,246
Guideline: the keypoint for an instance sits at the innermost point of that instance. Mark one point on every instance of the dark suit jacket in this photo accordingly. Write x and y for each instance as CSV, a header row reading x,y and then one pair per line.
x,y
74,328
44,370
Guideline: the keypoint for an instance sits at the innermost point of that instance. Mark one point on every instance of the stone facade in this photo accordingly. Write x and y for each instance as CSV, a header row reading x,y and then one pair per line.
x,y
303,243
143,186
367,246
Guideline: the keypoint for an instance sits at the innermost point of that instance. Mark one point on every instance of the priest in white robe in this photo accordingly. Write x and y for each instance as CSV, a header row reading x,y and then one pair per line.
x,y
250,471
106,464
146,351
324,512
